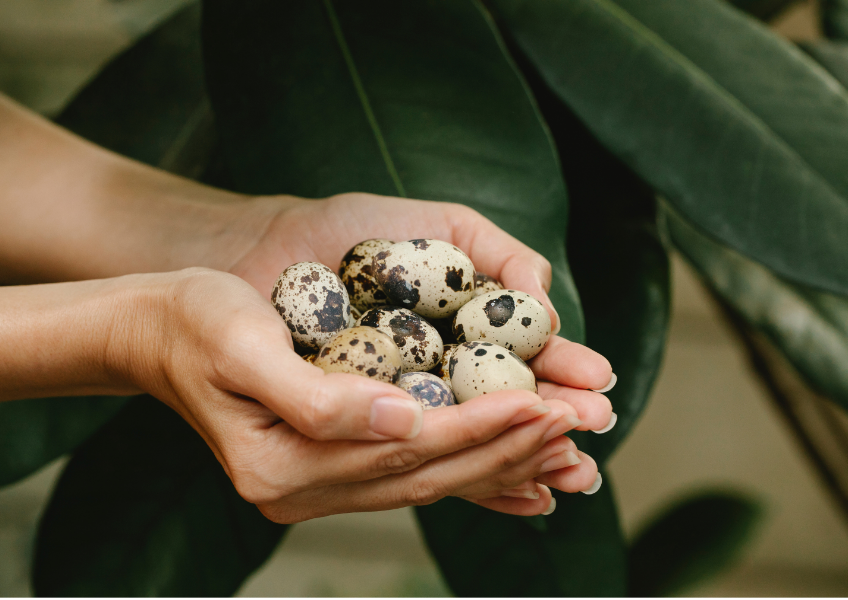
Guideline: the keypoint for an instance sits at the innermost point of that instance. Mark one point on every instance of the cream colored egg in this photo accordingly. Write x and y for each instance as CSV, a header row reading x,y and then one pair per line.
x,y
362,351
509,318
419,343
313,302
484,283
478,368
430,277
427,389
442,369
357,274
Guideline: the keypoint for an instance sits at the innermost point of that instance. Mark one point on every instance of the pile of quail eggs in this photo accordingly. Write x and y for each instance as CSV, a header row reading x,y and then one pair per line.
x,y
415,314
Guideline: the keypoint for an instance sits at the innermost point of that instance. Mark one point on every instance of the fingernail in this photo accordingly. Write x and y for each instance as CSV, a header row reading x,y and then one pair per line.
x,y
595,486
608,386
528,494
573,421
560,461
610,425
558,324
396,417
551,507
530,413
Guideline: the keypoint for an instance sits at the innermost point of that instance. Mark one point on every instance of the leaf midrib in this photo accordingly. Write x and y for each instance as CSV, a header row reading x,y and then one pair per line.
x,y
363,97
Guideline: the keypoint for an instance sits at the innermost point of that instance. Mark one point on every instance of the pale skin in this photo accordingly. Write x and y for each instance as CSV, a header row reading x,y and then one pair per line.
x,y
124,279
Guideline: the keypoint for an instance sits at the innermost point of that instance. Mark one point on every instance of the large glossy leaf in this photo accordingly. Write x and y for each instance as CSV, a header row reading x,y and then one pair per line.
x,y
491,554
741,131
619,263
144,509
149,103
763,9
690,542
412,99
35,432
808,326
833,56
835,18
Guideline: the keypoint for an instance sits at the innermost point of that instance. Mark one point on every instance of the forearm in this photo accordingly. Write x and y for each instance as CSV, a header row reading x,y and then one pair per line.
x,y
72,211
61,339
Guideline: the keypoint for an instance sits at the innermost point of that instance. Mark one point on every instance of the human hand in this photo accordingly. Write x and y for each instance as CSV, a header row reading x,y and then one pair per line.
x,y
212,348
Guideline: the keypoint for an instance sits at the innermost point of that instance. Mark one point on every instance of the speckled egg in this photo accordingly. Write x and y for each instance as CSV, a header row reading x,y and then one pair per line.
x,y
362,351
313,302
478,368
484,284
442,369
509,318
419,343
357,274
427,389
355,315
430,277
310,358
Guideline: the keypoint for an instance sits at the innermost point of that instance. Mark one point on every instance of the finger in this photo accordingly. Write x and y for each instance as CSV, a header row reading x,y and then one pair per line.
x,y
494,252
321,406
523,507
447,430
571,364
559,453
580,478
592,408
426,484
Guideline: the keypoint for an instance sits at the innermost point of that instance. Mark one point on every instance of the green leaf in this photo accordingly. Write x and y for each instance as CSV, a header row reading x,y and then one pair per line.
x,y
763,9
35,432
413,99
619,263
144,509
690,542
834,15
148,103
741,131
484,553
833,56
810,327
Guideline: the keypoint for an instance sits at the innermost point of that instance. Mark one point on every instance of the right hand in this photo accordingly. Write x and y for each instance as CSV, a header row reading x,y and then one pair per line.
x,y
298,442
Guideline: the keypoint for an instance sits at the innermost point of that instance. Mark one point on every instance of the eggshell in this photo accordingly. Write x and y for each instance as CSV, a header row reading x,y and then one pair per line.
x,y
362,351
478,368
442,369
356,272
430,277
355,315
419,343
484,283
427,389
509,318
313,302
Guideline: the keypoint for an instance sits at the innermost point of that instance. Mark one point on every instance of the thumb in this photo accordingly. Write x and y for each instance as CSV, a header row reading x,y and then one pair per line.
x,y
332,406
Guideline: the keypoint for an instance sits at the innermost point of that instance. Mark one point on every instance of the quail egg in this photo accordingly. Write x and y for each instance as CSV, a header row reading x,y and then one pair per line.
x,y
355,315
484,283
357,274
419,343
362,351
430,277
310,358
478,368
313,302
427,389
442,369
512,319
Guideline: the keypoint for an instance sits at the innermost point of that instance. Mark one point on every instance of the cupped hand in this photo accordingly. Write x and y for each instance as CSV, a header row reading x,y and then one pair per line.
x,y
208,345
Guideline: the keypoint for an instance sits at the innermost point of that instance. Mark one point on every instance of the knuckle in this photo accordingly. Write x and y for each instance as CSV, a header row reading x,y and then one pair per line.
x,y
318,416
421,493
399,460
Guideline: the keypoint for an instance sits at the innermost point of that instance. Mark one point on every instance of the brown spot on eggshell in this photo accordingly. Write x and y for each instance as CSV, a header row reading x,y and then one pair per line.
x,y
377,356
